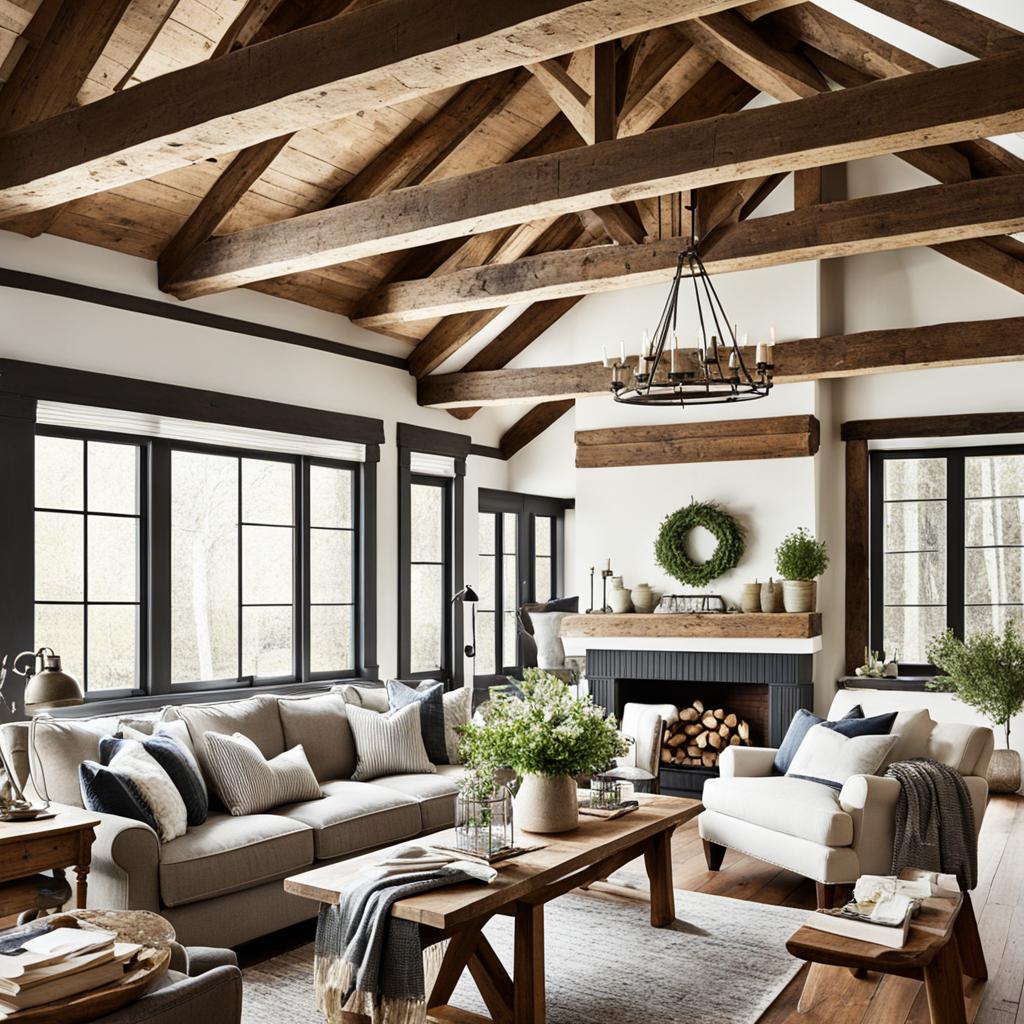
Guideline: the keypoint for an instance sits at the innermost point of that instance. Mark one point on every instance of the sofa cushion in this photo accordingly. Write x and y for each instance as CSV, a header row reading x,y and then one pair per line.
x,y
319,724
435,793
829,757
373,698
388,744
802,723
795,807
913,727
226,854
255,717
960,746
430,698
355,816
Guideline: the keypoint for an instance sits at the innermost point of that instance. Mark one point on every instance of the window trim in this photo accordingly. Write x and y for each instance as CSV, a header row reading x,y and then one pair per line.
x,y
955,539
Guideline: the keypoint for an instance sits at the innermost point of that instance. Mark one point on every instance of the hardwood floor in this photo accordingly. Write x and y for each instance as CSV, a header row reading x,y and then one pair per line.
x,y
839,997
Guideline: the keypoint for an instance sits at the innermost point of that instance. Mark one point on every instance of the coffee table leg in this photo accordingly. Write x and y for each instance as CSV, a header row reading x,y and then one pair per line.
x,y
944,987
658,858
972,955
528,997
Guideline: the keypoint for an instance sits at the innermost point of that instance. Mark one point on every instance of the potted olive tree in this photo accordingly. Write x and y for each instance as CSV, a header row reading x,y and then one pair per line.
x,y
547,736
986,671
800,559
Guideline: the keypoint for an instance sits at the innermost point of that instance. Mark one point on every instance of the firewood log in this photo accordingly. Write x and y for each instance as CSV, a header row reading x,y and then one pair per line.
x,y
710,722
666,755
724,730
720,713
676,741
731,720
699,706
693,729
688,715
710,759
702,740
743,729
734,740
694,751
715,740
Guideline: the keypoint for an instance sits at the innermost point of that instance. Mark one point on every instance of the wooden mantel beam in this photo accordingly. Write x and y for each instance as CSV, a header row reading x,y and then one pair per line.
x,y
845,355
924,216
984,97
386,53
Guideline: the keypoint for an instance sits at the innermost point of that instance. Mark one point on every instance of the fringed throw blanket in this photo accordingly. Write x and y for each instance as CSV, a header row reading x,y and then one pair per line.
x,y
370,962
934,821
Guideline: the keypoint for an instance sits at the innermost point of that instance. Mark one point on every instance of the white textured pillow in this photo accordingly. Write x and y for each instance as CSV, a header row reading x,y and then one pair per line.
x,y
133,762
389,744
458,709
248,783
830,757
374,698
913,730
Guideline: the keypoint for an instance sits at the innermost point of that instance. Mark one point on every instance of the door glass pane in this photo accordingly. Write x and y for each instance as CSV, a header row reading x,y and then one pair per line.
x,y
113,559
542,579
542,535
485,586
267,642
330,496
330,638
59,480
486,524
113,647
427,521
267,565
510,527
508,639
330,566
204,567
60,557
426,618
113,478
485,649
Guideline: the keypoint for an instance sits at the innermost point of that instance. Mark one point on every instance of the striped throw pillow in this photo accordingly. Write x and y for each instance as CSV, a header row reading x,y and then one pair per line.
x,y
248,783
389,744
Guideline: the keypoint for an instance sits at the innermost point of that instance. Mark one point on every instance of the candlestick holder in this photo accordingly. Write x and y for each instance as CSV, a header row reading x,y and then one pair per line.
x,y
590,610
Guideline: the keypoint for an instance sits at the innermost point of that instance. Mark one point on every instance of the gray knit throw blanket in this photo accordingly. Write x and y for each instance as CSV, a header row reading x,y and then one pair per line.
x,y
370,962
934,821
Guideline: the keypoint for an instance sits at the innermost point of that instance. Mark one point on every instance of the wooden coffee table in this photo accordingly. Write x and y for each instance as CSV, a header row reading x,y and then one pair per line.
x,y
943,944
524,884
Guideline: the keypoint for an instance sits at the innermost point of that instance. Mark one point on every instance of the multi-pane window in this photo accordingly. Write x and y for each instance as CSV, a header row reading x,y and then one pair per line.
x,y
429,574
163,565
88,565
947,545
510,589
487,590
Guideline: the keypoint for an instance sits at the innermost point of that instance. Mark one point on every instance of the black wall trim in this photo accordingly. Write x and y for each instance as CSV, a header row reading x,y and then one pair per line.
x,y
184,314
511,500
82,387
433,442
487,451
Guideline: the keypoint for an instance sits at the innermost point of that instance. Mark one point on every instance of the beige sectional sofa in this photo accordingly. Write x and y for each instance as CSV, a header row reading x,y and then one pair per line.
x,y
220,883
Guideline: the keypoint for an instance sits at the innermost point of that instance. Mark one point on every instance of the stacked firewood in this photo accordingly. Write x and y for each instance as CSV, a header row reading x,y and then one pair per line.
x,y
701,734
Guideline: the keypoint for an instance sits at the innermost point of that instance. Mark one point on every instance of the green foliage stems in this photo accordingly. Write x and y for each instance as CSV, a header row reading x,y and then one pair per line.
x,y
547,731
670,547
986,671
801,556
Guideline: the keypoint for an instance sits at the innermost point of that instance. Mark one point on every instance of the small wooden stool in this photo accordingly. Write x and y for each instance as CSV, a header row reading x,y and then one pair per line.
x,y
942,946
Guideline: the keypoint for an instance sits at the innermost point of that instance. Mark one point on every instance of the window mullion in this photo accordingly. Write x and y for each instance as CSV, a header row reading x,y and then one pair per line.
x,y
159,523
955,543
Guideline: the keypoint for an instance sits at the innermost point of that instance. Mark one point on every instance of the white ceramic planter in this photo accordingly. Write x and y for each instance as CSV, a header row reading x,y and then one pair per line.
x,y
547,803
799,595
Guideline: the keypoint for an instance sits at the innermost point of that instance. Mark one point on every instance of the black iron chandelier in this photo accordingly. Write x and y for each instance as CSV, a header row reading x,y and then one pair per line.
x,y
714,371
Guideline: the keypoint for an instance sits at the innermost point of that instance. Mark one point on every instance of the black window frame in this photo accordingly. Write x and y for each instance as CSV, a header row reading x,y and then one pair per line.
x,y
955,540
528,508
155,565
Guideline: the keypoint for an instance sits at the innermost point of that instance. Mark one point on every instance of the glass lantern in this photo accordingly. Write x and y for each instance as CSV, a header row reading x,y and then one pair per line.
x,y
483,824
605,792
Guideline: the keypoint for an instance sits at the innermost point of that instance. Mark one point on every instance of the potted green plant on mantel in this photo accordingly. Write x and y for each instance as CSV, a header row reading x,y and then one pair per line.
x,y
986,671
547,736
800,559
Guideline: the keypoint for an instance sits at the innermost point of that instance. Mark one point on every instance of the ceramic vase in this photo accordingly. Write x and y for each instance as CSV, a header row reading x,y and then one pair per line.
x,y
618,597
771,596
800,595
751,599
546,804
645,600
1004,772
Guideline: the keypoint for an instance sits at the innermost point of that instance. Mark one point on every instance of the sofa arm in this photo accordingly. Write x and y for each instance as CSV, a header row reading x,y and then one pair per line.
x,y
978,788
870,800
746,762
124,874
214,996
205,958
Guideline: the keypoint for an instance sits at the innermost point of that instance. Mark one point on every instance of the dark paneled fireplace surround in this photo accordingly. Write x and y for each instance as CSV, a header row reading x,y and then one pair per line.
x,y
765,689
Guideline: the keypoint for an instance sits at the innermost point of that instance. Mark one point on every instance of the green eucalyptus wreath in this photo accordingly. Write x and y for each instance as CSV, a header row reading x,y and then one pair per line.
x,y
670,547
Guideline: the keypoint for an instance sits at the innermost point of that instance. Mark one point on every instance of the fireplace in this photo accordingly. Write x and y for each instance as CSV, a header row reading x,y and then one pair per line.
x,y
765,690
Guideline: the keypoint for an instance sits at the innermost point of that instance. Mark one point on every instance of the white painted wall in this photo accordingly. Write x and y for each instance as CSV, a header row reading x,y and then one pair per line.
x,y
64,332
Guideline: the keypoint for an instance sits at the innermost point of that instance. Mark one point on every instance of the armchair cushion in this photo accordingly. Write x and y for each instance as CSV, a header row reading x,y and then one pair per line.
x,y
795,807
802,723
829,757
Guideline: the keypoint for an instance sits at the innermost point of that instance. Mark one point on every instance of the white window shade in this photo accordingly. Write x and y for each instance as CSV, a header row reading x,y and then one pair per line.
x,y
431,465
113,421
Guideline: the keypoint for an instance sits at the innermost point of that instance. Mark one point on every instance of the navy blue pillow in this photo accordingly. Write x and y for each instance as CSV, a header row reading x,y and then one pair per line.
x,y
431,702
803,722
877,725
107,792
179,765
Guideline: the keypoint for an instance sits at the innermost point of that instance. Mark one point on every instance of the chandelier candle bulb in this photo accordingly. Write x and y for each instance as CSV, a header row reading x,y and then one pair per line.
x,y
604,352
760,352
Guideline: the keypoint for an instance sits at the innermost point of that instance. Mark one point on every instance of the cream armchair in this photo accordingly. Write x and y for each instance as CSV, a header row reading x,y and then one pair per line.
x,y
811,829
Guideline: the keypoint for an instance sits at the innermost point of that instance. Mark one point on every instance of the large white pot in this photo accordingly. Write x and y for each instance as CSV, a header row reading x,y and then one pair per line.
x,y
547,803
799,595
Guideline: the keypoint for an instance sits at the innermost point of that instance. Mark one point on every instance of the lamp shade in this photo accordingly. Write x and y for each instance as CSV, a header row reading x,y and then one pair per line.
x,y
51,686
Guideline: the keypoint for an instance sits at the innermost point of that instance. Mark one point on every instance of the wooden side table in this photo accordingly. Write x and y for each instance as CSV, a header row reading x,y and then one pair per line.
x,y
943,944
53,844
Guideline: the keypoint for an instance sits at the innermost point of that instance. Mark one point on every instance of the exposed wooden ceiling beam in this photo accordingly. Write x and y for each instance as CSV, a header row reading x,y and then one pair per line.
x,y
847,355
923,216
568,95
965,29
531,425
947,105
392,51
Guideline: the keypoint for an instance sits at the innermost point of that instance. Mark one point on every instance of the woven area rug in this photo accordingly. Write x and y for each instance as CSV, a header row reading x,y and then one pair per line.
x,y
604,963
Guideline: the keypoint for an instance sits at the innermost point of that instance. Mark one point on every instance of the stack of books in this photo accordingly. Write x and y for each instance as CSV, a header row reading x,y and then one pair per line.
x,y
883,907
49,964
